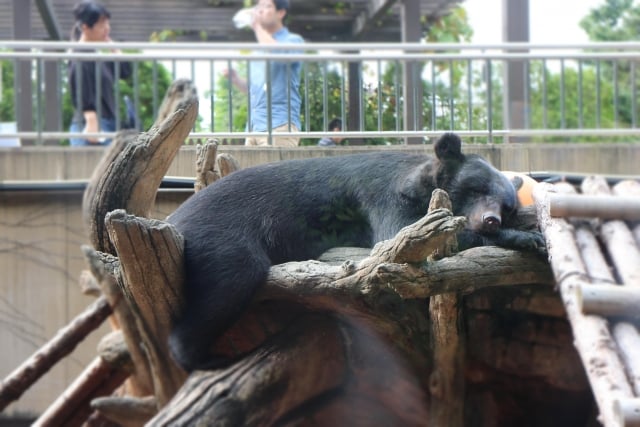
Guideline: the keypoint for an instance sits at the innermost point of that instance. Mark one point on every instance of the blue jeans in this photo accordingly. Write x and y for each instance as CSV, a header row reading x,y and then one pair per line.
x,y
106,125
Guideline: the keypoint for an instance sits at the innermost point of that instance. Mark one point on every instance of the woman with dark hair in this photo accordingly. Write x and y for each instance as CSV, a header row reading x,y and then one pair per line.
x,y
92,82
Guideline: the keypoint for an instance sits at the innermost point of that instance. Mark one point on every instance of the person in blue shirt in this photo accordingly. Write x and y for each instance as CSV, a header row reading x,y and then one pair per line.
x,y
283,89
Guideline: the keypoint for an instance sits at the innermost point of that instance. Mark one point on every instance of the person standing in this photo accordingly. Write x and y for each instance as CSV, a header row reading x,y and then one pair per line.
x,y
283,88
91,83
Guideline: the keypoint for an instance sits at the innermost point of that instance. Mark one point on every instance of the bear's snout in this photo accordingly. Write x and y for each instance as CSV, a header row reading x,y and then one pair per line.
x,y
491,222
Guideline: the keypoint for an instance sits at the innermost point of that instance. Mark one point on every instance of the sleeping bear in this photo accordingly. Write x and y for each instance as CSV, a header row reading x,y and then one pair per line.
x,y
240,226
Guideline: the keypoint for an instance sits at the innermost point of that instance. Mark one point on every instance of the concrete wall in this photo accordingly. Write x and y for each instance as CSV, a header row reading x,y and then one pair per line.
x,y
41,233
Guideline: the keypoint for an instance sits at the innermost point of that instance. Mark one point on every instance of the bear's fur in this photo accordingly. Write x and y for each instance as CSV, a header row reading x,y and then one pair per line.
x,y
240,226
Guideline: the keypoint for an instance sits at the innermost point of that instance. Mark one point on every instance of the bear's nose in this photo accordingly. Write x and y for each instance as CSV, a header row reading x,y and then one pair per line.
x,y
491,223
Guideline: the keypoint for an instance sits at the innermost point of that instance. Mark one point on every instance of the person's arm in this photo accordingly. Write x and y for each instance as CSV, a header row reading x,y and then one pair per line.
x,y
236,80
262,35
91,125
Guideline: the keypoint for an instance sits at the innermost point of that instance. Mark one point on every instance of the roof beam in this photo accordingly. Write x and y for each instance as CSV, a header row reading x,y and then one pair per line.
x,y
374,9
49,19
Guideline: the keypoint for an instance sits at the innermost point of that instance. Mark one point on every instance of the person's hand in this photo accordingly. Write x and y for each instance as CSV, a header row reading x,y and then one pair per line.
x,y
91,126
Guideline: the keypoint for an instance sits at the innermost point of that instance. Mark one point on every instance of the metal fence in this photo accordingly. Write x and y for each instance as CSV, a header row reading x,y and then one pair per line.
x,y
384,93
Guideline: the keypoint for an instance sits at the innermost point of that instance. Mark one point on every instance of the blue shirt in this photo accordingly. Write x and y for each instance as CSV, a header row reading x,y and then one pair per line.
x,y
285,88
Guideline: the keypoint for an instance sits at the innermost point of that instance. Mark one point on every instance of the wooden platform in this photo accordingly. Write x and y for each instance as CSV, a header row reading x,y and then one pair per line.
x,y
593,236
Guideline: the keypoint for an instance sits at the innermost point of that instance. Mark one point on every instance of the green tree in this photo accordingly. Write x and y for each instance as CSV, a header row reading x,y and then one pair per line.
x,y
7,110
615,20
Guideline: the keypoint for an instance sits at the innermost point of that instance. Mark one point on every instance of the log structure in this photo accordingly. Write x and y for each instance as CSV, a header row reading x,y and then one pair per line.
x,y
410,332
593,235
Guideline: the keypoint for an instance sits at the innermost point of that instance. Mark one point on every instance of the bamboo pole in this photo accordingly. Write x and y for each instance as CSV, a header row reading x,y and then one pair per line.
x,y
593,340
608,300
565,205
627,412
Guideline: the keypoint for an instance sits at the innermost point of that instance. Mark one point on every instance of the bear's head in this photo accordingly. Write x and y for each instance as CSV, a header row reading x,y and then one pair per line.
x,y
477,190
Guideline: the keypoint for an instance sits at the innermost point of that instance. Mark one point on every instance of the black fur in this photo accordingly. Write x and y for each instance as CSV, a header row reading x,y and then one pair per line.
x,y
238,227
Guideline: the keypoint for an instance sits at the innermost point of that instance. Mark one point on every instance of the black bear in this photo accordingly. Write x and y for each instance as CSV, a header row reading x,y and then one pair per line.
x,y
294,210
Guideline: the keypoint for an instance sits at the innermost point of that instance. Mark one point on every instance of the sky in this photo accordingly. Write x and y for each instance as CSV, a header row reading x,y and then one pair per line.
x,y
551,21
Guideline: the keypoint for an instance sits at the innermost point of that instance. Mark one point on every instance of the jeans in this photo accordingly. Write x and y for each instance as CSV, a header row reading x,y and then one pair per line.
x,y
106,125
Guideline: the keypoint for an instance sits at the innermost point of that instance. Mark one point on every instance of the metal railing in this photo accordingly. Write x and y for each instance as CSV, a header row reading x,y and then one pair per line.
x,y
382,92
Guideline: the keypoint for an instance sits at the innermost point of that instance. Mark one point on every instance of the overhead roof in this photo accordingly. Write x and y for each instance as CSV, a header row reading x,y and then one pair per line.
x,y
210,20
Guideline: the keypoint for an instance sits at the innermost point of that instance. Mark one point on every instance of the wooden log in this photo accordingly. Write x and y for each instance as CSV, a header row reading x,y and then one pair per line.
x,y
226,164
412,245
150,254
307,362
627,412
106,269
592,337
565,205
446,382
88,284
126,411
608,300
206,172
62,344
628,340
616,235
72,408
129,174
629,188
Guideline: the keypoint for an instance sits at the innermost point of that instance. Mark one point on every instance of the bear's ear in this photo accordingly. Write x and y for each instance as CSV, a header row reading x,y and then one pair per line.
x,y
449,147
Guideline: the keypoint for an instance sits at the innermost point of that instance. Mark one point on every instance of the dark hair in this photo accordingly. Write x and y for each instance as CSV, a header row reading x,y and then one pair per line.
x,y
87,12
281,4
335,123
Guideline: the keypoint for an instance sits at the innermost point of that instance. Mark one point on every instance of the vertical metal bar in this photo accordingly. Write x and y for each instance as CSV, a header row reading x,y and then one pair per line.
x,y
434,116
598,94
288,96
343,113
545,100
380,88
616,93
526,66
269,112
361,103
634,101
307,106
451,95
116,91
562,96
580,96
489,100
136,92
193,79
98,88
59,93
39,111
397,77
212,95
230,97
156,98
469,95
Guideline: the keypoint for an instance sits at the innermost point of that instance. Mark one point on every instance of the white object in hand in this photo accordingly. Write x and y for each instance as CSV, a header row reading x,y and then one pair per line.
x,y
243,17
